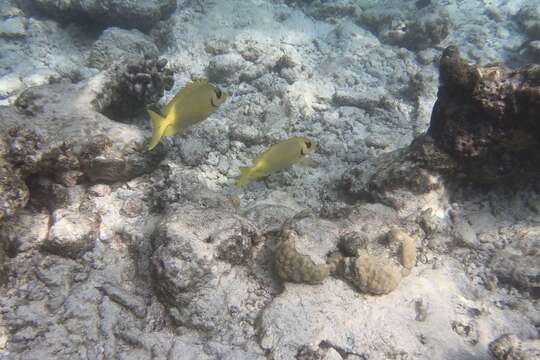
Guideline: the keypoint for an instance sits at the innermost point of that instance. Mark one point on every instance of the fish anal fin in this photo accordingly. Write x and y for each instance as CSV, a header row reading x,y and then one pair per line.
x,y
159,125
308,163
244,177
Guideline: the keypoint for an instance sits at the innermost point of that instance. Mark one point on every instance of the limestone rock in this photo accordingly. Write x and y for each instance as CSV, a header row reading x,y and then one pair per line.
x,y
115,43
13,190
333,11
225,68
10,84
397,177
123,13
490,139
194,253
421,34
511,347
13,27
533,49
25,231
71,234
396,26
528,18
522,272
57,130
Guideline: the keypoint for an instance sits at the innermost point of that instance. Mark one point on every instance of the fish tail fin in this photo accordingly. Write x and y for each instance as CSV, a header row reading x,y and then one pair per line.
x,y
159,125
244,177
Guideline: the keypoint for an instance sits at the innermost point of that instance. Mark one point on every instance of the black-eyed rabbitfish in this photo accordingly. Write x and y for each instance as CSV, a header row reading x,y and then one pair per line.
x,y
192,104
278,157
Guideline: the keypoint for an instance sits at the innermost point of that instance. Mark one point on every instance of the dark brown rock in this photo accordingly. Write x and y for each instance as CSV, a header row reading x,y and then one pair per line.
x,y
487,118
485,128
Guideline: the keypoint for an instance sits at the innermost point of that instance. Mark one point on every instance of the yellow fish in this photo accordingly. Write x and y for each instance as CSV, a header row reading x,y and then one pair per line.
x,y
192,104
278,157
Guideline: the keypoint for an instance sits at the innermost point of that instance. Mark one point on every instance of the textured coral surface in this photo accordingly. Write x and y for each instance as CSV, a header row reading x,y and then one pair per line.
x,y
388,249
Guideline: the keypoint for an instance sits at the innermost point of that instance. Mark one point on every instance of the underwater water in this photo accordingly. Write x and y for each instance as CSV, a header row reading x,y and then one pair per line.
x,y
270,179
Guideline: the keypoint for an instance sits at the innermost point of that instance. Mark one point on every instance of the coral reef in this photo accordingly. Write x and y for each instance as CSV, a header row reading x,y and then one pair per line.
x,y
110,251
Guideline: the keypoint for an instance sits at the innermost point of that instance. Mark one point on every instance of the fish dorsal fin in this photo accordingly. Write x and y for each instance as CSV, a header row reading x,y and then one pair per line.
x,y
188,88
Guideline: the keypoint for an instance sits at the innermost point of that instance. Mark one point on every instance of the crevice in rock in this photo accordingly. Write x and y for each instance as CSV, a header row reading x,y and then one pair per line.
x,y
126,95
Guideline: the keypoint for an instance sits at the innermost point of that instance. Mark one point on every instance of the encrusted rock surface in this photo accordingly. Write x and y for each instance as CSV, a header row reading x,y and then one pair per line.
x,y
528,18
203,293
130,85
482,129
522,272
509,347
13,191
58,131
171,261
139,14
486,118
27,230
115,43
427,29
72,233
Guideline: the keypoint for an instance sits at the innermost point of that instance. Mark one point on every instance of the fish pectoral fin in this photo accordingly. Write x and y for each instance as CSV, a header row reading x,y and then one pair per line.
x,y
308,163
244,177
159,126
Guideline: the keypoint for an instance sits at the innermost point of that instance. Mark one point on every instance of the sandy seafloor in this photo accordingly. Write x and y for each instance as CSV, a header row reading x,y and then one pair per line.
x,y
340,72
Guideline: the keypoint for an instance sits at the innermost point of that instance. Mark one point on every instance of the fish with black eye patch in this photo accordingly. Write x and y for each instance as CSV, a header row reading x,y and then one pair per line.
x,y
278,157
192,104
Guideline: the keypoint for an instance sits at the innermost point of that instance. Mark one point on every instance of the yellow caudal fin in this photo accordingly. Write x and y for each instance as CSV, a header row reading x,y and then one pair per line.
x,y
244,177
159,127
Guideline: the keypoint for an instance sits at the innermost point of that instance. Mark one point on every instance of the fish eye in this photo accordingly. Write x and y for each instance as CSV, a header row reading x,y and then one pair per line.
x,y
218,92
308,144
